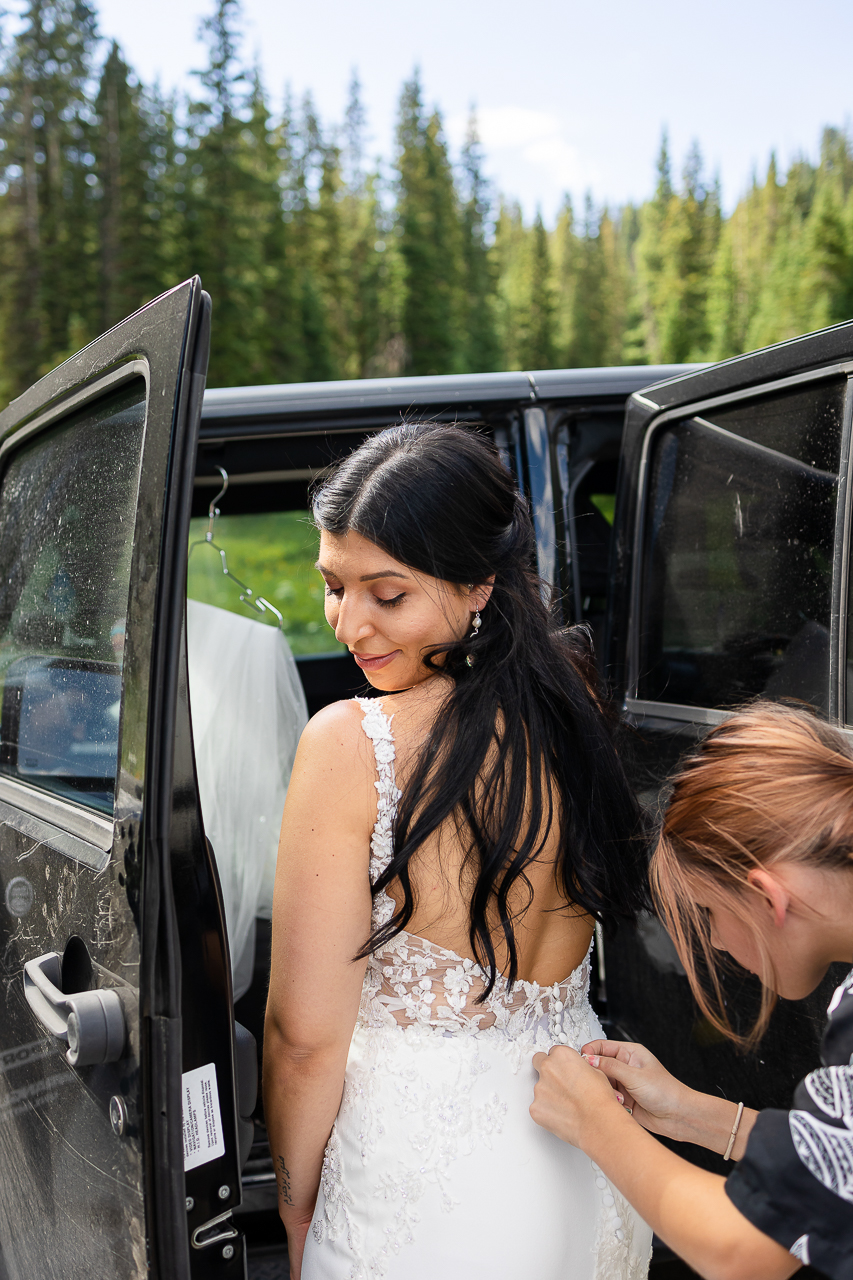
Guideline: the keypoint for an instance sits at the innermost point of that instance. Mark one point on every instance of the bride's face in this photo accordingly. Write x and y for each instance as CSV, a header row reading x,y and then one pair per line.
x,y
386,613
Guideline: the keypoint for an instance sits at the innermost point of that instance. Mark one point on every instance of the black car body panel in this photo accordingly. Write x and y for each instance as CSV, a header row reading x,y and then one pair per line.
x,y
96,463
805,659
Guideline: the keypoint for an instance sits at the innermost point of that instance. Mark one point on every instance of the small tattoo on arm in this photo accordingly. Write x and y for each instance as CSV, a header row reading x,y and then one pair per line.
x,y
284,1183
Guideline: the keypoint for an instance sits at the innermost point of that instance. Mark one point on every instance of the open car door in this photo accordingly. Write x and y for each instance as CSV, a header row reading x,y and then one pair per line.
x,y
118,1124
730,581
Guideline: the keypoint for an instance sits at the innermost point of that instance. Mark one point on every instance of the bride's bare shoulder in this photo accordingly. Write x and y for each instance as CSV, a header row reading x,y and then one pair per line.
x,y
335,732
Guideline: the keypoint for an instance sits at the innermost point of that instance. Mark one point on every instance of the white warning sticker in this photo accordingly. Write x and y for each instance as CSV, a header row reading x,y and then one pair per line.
x,y
203,1140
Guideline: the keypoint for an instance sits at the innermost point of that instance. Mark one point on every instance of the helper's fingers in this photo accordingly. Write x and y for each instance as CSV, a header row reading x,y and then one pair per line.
x,y
615,1070
621,1049
622,1076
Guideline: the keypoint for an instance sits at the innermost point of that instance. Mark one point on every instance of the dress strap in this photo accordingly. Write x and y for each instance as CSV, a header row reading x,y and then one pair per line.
x,y
377,726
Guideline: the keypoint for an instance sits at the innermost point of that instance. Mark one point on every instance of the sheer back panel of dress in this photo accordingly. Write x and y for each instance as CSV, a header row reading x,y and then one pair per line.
x,y
412,980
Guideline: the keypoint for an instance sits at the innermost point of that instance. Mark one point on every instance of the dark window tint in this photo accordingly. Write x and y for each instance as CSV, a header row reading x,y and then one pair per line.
x,y
737,558
848,703
804,424
67,509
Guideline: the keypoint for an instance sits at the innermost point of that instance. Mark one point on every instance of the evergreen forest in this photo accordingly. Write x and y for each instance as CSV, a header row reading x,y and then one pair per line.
x,y
323,263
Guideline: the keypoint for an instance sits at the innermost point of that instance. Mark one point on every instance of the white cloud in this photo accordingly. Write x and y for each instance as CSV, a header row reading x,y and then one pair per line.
x,y
515,126
521,135
559,158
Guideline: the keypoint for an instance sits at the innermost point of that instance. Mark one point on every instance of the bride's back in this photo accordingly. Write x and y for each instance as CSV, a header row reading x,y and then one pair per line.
x,y
552,935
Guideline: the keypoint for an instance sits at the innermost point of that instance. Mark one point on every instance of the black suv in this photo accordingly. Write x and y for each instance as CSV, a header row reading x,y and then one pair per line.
x,y
701,526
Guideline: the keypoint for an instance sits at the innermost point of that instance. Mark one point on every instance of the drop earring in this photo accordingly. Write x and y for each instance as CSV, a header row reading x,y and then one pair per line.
x,y
476,623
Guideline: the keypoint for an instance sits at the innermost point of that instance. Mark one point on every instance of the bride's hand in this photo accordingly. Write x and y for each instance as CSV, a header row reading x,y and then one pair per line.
x,y
297,1233
656,1099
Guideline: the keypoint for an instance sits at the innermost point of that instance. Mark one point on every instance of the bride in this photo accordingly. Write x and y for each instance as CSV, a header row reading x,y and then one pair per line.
x,y
445,849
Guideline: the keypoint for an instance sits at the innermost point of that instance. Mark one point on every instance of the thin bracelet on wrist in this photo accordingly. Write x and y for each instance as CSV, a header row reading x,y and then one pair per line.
x,y
735,1128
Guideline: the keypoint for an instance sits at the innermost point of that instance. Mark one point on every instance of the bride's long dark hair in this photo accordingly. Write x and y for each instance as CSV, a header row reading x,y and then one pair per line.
x,y
521,741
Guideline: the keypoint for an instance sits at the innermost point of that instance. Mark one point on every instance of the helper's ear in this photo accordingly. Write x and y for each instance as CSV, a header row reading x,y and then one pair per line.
x,y
774,891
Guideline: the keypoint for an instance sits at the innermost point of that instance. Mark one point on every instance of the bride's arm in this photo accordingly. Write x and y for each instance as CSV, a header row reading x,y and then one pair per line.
x,y
321,918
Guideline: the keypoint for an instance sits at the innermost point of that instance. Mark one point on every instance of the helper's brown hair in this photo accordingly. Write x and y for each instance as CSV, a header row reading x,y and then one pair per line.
x,y
772,782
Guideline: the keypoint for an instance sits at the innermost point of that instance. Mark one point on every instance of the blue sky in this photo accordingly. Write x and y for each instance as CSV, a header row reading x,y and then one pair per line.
x,y
569,95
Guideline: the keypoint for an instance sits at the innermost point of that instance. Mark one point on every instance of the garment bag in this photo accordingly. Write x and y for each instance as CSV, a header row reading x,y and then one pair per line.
x,y
248,710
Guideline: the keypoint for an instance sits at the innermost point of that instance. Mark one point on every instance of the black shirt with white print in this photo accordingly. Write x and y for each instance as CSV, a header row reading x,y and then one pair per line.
x,y
795,1181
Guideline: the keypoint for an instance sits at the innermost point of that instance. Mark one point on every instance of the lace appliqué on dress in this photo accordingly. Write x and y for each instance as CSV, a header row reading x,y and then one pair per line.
x,y
378,729
615,1254
337,1199
441,1118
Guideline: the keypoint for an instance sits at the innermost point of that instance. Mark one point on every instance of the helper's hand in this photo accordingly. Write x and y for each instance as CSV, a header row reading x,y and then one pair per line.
x,y
570,1097
657,1100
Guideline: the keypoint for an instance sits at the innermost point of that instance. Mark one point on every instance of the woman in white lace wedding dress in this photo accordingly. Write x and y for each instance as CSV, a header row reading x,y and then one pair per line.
x,y
433,1143
398,1073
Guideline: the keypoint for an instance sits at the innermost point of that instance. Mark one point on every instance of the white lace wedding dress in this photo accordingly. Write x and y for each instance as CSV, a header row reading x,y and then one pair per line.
x,y
434,1169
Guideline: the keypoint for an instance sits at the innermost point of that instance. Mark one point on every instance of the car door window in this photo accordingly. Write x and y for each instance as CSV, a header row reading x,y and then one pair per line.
x,y
736,583
67,510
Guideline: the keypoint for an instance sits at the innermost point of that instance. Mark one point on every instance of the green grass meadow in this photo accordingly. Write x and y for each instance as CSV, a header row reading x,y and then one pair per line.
x,y
274,555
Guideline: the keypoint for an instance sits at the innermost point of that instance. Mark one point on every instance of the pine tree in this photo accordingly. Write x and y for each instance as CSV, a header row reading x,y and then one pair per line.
x,y
430,240
590,319
675,251
688,245
592,287
510,255
138,191
728,299
827,283
227,188
614,236
331,258
372,266
649,257
538,347
355,121
49,251
565,263
778,305
631,344
305,148
280,352
482,353
373,262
